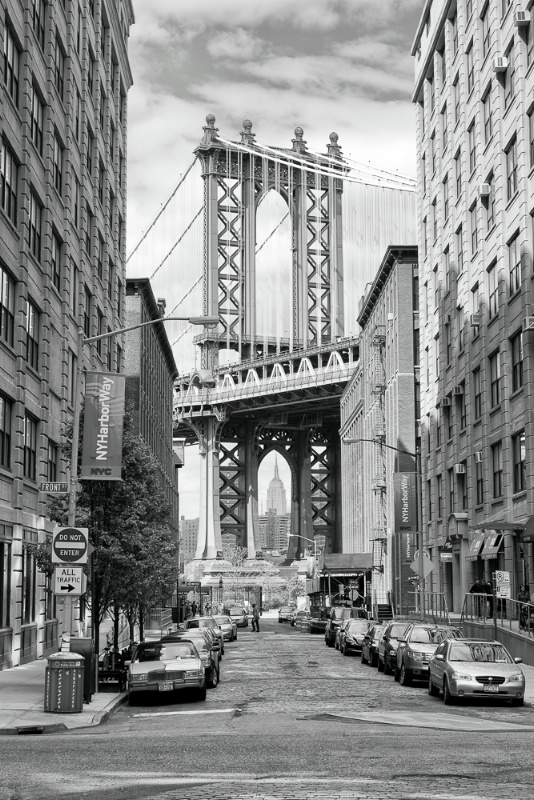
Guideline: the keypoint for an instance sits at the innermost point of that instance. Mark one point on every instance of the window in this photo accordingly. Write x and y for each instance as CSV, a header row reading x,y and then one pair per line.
x,y
101,181
439,495
5,432
495,378
479,482
36,120
11,65
436,354
431,93
447,268
79,31
509,78
486,32
112,142
448,344
461,329
474,229
493,291
425,237
32,335
514,264
38,21
76,202
531,137
437,292
100,257
454,34
30,447
470,69
429,500
7,307
516,347
88,230
53,454
462,486
446,197
468,9
111,280
28,586
496,459
34,226
77,115
477,393
99,330
490,203
438,427
444,127
119,299
511,169
73,289
121,171
488,118
461,408
434,219
460,250
110,352
433,151
458,174
451,490
505,5
529,38
87,313
5,579
519,456
423,172
55,261
58,164
59,68
456,99
73,366
472,147
102,108
119,358
8,182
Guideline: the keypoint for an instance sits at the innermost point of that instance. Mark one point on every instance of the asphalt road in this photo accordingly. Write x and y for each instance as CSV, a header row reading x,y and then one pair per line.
x,y
290,718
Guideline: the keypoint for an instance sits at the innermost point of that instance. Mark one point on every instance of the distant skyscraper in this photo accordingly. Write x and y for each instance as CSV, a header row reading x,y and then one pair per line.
x,y
276,494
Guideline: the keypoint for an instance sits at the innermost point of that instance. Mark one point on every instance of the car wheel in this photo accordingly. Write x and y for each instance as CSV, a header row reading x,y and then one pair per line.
x,y
448,699
344,650
380,665
201,693
396,673
387,668
405,678
212,684
336,644
374,660
432,690
222,651
517,701
280,621
363,659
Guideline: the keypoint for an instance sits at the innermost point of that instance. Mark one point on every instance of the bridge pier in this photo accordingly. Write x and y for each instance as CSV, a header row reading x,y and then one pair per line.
x,y
209,544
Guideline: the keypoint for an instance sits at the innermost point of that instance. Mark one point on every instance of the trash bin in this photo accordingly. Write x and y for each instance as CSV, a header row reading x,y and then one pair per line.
x,y
64,683
84,647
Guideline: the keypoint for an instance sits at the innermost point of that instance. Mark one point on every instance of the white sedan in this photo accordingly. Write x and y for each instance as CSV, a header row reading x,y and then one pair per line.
x,y
228,627
166,667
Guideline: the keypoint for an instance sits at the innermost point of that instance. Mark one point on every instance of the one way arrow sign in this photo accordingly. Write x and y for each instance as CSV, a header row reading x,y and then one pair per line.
x,y
69,581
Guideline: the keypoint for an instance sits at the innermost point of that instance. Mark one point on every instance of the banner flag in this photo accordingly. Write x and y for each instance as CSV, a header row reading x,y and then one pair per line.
x,y
103,425
405,505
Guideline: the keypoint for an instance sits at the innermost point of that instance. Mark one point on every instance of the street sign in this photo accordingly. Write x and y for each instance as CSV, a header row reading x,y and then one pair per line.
x,y
428,566
502,584
69,581
55,488
70,545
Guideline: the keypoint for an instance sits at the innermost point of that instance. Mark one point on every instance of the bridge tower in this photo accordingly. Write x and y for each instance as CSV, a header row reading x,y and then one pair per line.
x,y
237,175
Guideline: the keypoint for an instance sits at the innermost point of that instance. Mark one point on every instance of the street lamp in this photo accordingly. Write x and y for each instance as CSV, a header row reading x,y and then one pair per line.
x,y
311,541
419,507
207,321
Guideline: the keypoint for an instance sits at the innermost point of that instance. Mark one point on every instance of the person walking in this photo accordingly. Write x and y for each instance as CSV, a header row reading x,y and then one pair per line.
x,y
523,596
488,588
255,618
477,589
194,608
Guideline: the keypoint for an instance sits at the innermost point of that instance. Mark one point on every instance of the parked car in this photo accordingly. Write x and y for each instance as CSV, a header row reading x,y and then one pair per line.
x,y
228,627
208,652
465,668
351,637
300,618
285,613
336,617
166,667
387,647
239,615
339,630
206,622
370,644
417,646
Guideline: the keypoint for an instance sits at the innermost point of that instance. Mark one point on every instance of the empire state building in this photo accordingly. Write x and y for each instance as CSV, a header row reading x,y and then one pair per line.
x,y
276,494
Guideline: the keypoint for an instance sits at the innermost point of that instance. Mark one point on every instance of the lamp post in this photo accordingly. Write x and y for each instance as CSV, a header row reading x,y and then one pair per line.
x,y
311,541
208,322
418,505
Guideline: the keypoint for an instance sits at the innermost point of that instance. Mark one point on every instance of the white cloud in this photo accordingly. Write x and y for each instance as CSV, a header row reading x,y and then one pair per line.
x,y
237,45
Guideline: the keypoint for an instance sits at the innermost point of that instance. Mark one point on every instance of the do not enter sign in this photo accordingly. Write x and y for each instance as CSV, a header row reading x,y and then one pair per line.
x,y
70,546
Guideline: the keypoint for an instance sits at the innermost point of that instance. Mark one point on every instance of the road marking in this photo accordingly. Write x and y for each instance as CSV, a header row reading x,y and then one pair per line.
x,y
425,719
200,711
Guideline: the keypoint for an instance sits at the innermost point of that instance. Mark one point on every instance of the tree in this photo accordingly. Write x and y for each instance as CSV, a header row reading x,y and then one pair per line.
x,y
133,562
243,573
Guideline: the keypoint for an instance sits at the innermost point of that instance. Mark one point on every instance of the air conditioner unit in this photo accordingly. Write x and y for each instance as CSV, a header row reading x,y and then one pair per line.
x,y
416,320
476,319
447,319
521,19
484,189
459,469
528,324
500,64
458,389
478,456
445,402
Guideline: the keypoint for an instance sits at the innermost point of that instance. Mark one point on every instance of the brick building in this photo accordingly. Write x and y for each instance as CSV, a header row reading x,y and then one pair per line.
x,y
475,142
63,86
380,406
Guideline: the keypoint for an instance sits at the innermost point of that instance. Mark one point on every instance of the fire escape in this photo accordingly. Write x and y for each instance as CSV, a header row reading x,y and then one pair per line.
x,y
379,530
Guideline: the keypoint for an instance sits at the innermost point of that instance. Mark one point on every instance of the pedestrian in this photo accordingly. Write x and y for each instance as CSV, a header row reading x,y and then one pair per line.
x,y
523,597
477,589
255,618
194,608
488,588
207,609
187,610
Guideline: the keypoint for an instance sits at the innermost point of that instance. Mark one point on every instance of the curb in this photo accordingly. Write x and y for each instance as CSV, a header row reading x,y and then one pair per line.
x,y
59,727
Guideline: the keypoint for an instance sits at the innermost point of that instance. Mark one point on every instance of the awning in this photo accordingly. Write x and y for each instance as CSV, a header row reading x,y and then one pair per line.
x,y
475,547
492,545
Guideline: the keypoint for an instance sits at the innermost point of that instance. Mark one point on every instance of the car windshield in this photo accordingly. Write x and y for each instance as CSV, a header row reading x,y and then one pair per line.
x,y
433,635
396,631
357,626
286,609
223,620
160,651
236,612
480,652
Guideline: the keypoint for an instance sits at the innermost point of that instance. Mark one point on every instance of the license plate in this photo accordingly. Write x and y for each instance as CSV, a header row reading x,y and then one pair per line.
x,y
488,687
166,686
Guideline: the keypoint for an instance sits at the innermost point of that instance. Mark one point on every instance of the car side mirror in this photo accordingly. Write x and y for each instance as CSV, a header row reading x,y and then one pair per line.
x,y
439,657
518,660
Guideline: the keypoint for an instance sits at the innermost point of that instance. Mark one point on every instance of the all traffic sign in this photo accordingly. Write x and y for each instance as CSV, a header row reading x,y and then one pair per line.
x,y
69,581
70,545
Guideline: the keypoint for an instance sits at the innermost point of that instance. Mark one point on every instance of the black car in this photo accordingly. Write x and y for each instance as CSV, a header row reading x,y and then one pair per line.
x,y
285,613
370,644
352,634
336,617
387,648
209,654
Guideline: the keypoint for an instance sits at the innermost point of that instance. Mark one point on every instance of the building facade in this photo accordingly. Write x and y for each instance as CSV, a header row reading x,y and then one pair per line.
x,y
475,144
188,538
274,530
150,371
379,409
63,119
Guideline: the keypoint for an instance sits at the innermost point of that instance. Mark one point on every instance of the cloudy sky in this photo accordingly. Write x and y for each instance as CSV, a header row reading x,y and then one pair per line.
x,y
325,65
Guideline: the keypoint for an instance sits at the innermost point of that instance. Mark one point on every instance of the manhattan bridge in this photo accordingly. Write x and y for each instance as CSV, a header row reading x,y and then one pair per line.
x,y
279,244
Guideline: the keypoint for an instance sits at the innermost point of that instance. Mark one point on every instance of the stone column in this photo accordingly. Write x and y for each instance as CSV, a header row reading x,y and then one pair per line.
x,y
209,542
251,489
